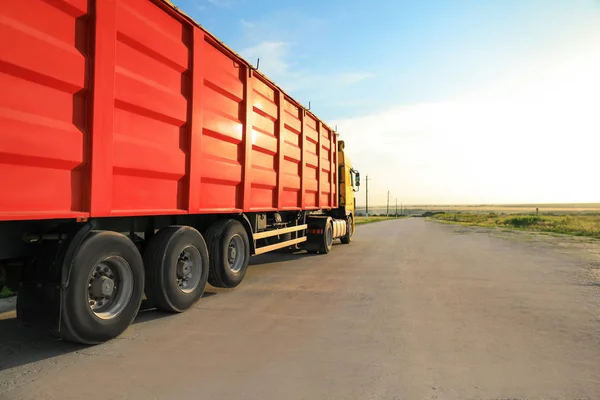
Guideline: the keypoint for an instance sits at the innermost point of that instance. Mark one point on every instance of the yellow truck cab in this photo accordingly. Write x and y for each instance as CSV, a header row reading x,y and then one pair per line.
x,y
349,183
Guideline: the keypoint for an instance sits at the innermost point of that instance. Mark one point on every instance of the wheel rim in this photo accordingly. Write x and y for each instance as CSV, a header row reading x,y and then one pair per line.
x,y
110,287
329,235
236,251
189,269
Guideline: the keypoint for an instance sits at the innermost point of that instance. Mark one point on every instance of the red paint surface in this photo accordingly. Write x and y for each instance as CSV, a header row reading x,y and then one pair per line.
x,y
125,107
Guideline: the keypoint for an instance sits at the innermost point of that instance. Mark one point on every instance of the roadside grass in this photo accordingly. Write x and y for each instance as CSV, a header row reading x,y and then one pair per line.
x,y
363,220
6,293
572,224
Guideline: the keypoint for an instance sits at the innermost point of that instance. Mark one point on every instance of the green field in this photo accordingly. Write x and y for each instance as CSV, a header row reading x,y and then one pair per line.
x,y
554,208
5,293
571,224
363,220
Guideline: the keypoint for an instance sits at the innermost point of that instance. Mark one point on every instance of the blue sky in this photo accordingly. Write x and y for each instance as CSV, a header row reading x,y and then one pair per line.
x,y
387,70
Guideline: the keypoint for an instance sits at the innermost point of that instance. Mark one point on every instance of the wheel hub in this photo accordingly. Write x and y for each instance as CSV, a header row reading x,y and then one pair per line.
x,y
110,287
184,267
189,269
232,253
235,253
103,287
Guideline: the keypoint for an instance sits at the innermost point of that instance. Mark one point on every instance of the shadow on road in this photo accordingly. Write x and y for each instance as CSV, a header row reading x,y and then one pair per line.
x,y
21,345
284,256
278,257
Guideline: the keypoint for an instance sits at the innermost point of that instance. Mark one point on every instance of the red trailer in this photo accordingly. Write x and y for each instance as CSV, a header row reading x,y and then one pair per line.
x,y
140,154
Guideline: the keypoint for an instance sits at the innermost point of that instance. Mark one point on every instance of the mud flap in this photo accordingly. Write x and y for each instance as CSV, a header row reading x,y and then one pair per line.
x,y
39,299
315,232
39,307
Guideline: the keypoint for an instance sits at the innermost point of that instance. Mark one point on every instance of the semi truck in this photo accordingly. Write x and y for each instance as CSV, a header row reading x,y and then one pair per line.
x,y
141,157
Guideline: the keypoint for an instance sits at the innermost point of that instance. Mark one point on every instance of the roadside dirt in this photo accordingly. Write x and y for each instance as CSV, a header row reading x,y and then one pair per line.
x,y
584,248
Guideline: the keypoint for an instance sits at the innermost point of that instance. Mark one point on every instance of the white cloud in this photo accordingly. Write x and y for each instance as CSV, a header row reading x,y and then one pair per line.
x,y
531,137
273,58
247,25
220,3
282,42
275,63
350,78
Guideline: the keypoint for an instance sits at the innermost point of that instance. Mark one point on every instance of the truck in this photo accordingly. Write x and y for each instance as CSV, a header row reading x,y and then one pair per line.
x,y
141,157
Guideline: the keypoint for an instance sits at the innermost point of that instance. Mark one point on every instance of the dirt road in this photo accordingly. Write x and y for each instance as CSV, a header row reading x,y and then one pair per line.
x,y
410,310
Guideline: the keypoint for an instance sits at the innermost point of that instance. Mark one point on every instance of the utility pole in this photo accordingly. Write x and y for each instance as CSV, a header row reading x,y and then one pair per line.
x,y
387,210
367,197
396,207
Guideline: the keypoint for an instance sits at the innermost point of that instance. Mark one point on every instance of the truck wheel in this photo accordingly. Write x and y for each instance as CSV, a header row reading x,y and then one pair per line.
x,y
176,262
229,250
105,288
326,239
347,238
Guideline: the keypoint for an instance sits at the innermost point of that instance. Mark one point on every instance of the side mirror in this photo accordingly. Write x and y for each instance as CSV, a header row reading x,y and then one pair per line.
x,y
357,179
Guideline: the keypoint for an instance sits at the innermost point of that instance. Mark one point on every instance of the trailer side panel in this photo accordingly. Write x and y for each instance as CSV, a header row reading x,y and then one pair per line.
x,y
129,108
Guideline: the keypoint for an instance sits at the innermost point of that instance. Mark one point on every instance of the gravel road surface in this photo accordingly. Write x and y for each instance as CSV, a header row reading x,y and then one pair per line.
x,y
410,310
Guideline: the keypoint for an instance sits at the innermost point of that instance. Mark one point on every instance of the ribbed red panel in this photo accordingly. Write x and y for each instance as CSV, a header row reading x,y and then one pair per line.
x,y
43,112
146,115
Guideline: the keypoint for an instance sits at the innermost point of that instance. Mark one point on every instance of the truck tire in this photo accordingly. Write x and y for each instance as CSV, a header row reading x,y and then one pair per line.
x,y
176,263
326,239
229,250
347,238
105,288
